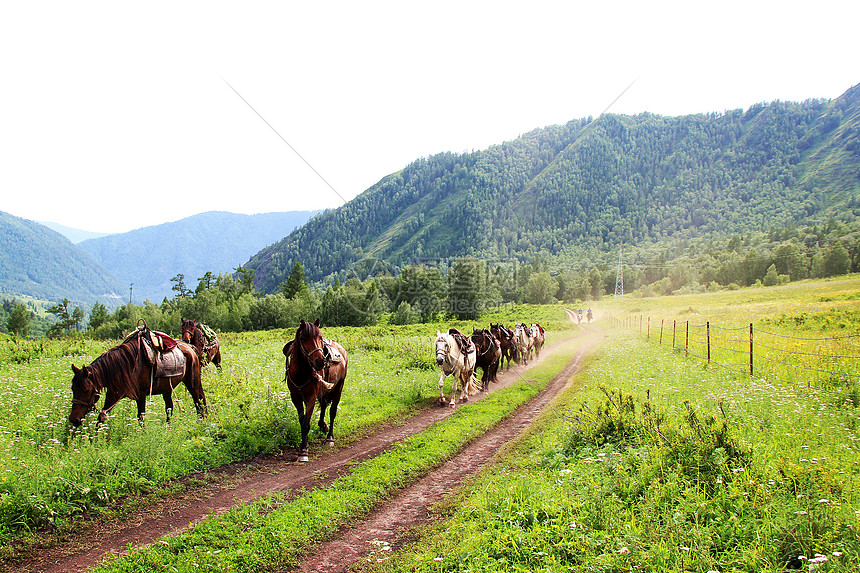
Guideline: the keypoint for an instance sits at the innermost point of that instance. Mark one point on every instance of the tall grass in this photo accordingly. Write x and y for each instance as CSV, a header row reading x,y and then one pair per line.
x,y
658,464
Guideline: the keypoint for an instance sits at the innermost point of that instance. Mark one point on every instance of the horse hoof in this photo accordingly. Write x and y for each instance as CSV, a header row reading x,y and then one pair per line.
x,y
302,458
329,442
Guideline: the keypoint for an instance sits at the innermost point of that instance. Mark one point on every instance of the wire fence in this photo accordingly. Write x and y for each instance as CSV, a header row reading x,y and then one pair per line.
x,y
830,364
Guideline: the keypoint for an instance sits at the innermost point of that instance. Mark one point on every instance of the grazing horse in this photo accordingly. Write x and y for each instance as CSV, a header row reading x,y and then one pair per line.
x,y
488,352
454,362
209,350
538,338
523,341
315,372
505,337
126,371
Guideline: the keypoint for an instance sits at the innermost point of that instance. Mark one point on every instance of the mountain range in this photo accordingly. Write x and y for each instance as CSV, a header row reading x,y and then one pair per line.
x,y
575,192
565,194
42,263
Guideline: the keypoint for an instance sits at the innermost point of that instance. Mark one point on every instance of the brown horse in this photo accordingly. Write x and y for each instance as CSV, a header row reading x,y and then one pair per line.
x,y
125,371
489,351
506,340
208,350
315,372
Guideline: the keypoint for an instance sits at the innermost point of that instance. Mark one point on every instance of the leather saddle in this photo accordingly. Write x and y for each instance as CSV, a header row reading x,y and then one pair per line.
x,y
463,342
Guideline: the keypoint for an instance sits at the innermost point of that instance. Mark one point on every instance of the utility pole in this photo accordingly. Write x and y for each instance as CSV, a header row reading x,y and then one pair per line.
x,y
619,278
130,290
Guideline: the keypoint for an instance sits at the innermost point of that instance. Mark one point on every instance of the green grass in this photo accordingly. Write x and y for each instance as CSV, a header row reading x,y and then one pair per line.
x,y
49,474
655,463
273,532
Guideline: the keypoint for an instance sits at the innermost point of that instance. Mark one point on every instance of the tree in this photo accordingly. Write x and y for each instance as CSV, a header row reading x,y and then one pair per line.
x,y
466,288
247,277
296,282
98,316
837,261
77,317
18,321
61,311
771,278
181,290
405,314
541,288
205,282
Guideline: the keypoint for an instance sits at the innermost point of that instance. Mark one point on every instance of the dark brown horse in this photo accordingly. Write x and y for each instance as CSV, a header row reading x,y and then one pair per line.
x,y
209,350
125,371
489,352
506,340
315,371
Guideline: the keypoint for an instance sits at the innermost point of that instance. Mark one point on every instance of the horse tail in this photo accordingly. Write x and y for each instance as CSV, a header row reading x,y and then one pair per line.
x,y
473,387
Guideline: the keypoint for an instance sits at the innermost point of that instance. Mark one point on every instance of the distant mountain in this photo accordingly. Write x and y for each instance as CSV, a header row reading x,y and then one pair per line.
x,y
42,263
567,193
74,235
215,241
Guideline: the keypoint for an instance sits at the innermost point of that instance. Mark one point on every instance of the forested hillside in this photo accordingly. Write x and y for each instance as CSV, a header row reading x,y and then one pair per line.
x,y
215,242
571,194
41,263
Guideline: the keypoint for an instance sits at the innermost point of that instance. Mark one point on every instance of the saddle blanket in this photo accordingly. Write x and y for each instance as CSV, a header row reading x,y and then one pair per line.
x,y
169,364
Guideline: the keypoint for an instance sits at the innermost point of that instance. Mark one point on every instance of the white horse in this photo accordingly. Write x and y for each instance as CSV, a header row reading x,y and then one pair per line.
x,y
538,338
454,363
523,341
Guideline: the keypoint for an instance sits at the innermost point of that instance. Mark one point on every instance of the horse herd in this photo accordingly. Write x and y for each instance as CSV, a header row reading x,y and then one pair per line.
x,y
460,356
148,362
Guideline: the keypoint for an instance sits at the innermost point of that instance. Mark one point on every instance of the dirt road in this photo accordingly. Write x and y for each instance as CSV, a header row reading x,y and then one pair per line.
x,y
242,482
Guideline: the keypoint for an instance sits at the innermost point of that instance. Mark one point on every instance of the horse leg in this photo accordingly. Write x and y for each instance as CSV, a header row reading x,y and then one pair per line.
x,y
334,400
217,359
110,400
305,423
141,408
322,425
168,403
441,390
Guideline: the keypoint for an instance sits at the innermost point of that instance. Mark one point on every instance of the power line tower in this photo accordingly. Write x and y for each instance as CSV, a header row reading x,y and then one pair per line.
x,y
619,279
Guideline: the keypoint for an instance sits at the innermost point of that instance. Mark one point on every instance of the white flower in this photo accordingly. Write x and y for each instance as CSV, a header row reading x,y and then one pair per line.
x,y
623,550
823,501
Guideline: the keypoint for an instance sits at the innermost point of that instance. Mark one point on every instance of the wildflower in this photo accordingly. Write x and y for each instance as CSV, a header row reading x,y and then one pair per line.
x,y
623,550
837,554
823,501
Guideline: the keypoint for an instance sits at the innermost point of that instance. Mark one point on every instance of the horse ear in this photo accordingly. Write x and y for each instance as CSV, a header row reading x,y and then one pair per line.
x,y
317,323
438,334
302,322
75,369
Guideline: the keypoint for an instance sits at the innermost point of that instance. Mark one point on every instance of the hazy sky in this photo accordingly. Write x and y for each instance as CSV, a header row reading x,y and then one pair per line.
x,y
118,115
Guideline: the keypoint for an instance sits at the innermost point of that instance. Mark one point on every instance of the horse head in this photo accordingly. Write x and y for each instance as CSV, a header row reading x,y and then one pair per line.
x,y
310,343
85,394
443,347
188,327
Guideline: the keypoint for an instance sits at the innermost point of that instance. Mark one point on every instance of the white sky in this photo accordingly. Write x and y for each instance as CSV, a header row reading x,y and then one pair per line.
x,y
116,115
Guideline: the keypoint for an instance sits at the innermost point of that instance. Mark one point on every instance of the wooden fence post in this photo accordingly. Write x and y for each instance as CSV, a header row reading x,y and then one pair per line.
x,y
673,334
751,349
661,332
708,336
648,331
687,341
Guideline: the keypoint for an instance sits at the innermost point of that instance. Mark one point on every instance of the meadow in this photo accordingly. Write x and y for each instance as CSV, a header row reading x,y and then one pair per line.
x,y
654,460
51,474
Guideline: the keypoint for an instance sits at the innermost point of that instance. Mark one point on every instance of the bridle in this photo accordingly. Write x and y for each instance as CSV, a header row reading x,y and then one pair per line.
x,y
309,354
486,337
91,405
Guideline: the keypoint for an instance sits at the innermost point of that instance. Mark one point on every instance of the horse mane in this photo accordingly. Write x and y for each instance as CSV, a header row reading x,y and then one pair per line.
x,y
307,330
116,368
